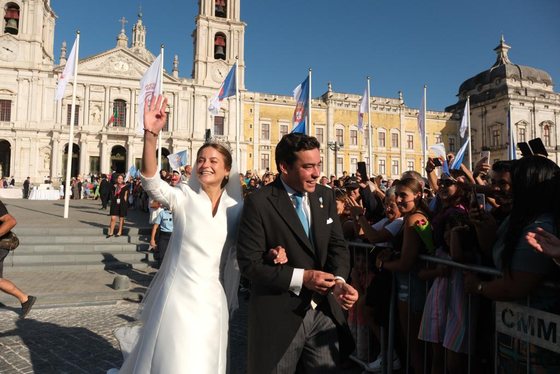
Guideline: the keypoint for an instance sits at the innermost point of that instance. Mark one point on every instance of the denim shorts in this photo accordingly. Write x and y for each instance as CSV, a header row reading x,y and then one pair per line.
x,y
412,290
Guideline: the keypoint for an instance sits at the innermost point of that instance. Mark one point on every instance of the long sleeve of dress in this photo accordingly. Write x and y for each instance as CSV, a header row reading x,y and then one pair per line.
x,y
161,191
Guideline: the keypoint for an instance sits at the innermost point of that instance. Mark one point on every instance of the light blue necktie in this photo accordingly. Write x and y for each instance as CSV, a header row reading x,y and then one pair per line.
x,y
298,199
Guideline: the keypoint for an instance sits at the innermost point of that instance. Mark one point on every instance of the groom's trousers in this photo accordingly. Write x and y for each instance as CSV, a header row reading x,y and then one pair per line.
x,y
314,348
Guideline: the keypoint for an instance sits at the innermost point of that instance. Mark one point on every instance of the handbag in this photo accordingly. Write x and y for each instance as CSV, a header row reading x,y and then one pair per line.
x,y
9,241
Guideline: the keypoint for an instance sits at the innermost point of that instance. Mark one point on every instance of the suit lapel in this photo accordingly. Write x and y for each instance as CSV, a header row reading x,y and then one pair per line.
x,y
318,222
284,206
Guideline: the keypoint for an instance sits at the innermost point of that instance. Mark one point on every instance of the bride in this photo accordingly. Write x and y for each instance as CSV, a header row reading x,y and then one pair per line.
x,y
185,313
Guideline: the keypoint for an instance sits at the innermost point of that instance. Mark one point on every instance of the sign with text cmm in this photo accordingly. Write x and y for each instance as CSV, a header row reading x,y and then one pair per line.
x,y
531,325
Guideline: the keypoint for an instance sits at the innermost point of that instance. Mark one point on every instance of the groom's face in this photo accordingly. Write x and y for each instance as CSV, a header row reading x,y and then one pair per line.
x,y
303,174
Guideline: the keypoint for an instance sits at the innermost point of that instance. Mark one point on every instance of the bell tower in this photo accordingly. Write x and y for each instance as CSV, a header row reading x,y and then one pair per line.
x,y
218,39
27,33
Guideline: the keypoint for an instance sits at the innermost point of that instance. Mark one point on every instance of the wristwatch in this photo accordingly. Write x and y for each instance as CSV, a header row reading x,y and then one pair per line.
x,y
480,288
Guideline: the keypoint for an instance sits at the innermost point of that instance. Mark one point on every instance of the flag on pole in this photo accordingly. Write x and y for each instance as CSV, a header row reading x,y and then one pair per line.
x,y
363,109
176,160
132,171
227,89
114,116
67,73
465,120
460,156
301,94
421,118
150,85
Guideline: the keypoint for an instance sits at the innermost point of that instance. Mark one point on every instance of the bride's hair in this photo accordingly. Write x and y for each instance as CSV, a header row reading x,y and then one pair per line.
x,y
224,152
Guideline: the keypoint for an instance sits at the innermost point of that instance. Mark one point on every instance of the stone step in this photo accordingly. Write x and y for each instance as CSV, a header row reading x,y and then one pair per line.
x,y
72,239
79,266
75,257
53,231
76,247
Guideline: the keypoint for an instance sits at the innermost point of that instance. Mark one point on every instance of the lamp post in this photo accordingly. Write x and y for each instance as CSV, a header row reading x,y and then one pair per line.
x,y
335,146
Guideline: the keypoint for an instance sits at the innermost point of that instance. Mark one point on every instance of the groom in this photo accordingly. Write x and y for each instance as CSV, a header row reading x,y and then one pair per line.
x,y
296,319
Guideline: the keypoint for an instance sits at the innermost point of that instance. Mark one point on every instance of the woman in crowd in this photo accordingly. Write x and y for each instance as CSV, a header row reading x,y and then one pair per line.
x,y
407,245
186,311
534,189
118,206
377,295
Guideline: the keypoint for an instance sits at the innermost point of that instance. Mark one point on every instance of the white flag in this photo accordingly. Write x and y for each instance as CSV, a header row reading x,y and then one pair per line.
x,y
66,73
421,115
150,85
363,109
465,120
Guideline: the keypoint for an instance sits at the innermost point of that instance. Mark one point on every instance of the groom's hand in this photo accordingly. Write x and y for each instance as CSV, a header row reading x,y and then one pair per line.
x,y
345,295
318,281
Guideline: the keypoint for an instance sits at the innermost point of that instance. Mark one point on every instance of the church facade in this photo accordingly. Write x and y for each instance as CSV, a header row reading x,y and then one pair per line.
x,y
34,129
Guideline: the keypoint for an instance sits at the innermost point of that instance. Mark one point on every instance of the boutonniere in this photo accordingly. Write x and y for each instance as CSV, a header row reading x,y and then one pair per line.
x,y
321,202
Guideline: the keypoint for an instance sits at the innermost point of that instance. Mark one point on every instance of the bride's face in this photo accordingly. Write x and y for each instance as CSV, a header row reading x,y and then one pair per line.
x,y
210,167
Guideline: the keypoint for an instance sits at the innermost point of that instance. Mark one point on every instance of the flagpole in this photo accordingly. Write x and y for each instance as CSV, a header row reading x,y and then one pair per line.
x,y
71,136
159,93
469,127
237,115
308,127
370,150
424,135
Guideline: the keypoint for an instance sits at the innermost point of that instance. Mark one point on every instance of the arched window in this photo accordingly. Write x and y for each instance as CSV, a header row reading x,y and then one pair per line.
x,y
546,135
220,8
11,19
119,113
220,46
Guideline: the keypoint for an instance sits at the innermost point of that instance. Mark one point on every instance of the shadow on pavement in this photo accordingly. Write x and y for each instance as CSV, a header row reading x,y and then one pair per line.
x,y
58,349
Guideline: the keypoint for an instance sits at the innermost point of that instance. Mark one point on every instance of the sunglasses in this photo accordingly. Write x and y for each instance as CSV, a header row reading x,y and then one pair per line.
x,y
445,183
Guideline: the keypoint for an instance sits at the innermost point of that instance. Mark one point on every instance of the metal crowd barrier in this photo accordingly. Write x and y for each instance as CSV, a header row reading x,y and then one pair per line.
x,y
549,329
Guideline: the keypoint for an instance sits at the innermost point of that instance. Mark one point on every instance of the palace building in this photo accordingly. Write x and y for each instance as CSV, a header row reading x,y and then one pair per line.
x,y
34,129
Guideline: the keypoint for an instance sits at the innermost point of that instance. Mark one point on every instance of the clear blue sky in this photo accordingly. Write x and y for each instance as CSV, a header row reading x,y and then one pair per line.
x,y
402,45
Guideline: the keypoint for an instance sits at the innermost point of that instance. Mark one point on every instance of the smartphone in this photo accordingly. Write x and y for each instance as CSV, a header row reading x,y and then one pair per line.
x,y
485,154
538,147
436,161
362,171
481,200
525,149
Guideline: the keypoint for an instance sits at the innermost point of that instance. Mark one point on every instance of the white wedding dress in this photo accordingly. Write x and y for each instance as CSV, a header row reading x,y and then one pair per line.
x,y
186,312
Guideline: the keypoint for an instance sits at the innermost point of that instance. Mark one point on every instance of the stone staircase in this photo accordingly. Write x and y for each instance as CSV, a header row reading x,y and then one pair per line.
x,y
78,249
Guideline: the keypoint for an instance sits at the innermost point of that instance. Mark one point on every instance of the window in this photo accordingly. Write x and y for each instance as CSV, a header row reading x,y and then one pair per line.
x,y
265,131
119,113
495,137
353,164
220,46
438,138
5,110
451,144
521,134
218,125
69,114
395,140
11,18
353,137
340,136
395,167
322,165
366,137
283,130
265,161
339,165
546,135
381,136
410,141
410,165
320,134
220,8
381,166
94,165
366,159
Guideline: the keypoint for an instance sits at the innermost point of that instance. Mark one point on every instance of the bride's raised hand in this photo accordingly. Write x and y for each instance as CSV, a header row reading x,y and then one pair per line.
x,y
155,116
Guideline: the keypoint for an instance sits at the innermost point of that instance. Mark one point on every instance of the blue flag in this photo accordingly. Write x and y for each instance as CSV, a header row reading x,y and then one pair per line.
x,y
176,160
227,89
460,156
301,94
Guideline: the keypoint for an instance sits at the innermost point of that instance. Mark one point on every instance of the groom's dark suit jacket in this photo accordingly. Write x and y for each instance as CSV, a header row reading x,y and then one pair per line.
x,y
275,314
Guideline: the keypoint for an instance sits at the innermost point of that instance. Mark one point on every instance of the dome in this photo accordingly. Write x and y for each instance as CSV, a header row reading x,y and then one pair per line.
x,y
502,69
